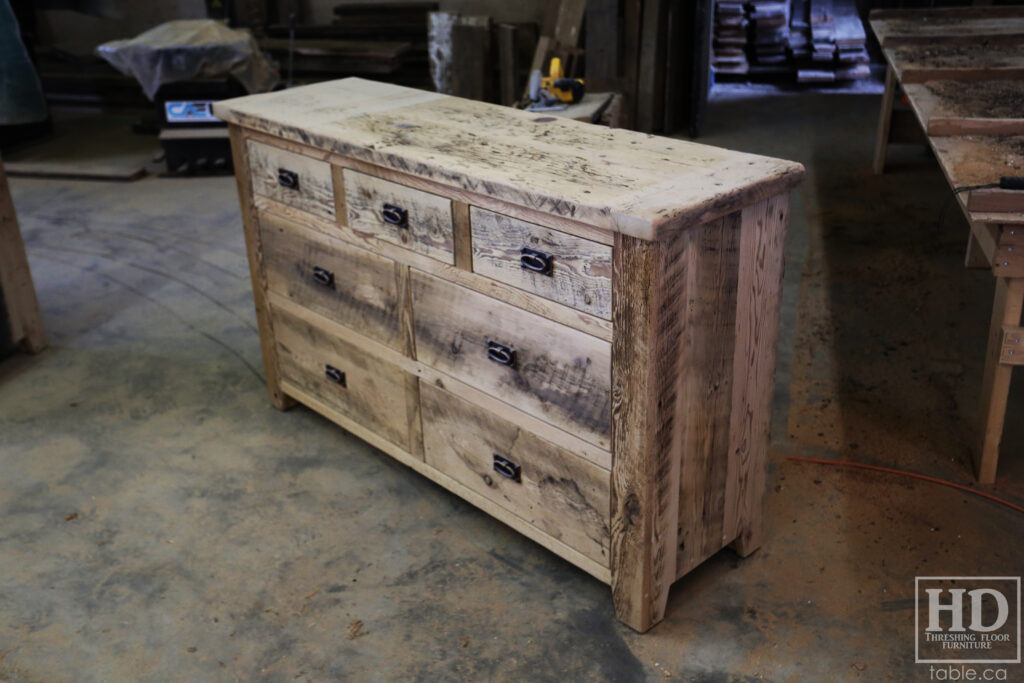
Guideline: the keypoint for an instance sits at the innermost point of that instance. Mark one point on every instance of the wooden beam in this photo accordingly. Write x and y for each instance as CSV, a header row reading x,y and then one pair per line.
x,y
995,388
644,518
884,121
945,126
1013,345
254,251
24,320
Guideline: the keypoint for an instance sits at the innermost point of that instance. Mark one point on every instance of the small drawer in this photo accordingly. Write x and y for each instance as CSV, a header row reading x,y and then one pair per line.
x,y
293,179
556,373
357,385
416,220
557,266
344,283
560,493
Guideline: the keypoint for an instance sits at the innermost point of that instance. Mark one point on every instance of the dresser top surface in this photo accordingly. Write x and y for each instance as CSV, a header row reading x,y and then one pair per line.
x,y
641,185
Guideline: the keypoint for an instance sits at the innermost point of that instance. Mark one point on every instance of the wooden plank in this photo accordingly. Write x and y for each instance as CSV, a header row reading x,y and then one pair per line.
x,y
341,282
597,455
413,415
568,22
579,272
602,45
650,95
968,161
463,236
363,388
595,569
314,185
558,374
508,64
254,252
939,61
552,489
759,291
884,121
1012,352
644,491
618,180
471,58
949,108
74,170
701,280
996,200
952,26
584,322
426,227
1006,311
19,294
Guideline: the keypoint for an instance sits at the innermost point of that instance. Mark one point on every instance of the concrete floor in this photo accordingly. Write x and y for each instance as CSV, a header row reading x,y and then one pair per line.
x,y
162,522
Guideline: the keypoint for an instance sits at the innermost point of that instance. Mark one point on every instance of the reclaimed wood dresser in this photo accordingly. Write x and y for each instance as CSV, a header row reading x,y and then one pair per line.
x,y
571,327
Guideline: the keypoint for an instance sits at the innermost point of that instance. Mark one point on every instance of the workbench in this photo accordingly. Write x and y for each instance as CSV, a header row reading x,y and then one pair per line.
x,y
962,73
20,321
571,327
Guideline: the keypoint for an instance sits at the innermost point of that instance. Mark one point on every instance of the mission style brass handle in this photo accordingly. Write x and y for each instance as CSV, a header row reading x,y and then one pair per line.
x,y
507,468
499,353
335,375
395,215
322,276
536,261
288,179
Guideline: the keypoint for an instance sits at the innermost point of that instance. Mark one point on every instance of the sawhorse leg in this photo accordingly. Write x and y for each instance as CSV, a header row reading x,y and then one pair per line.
x,y
885,120
1006,312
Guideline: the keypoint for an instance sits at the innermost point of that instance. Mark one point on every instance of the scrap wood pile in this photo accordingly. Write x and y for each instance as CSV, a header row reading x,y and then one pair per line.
x,y
815,41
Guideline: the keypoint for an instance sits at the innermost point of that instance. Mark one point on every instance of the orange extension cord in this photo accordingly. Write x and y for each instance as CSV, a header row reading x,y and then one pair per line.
x,y
914,475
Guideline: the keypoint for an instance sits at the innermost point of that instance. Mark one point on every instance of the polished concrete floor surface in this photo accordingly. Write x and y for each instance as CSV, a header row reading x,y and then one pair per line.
x,y
160,521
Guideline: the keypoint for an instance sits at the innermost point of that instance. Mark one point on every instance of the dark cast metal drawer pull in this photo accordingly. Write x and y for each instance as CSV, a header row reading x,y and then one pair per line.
x,y
335,375
395,215
537,261
323,276
507,468
499,353
288,179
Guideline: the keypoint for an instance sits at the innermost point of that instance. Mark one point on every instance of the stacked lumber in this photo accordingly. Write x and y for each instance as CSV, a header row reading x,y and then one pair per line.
x,y
385,42
728,51
770,21
837,51
818,41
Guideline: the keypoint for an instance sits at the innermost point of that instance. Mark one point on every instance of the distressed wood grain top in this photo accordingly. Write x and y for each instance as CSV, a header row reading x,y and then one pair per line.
x,y
972,160
941,61
995,106
949,25
637,184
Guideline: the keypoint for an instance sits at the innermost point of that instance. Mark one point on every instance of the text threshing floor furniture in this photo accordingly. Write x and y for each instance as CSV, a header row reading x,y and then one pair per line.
x,y
571,327
962,71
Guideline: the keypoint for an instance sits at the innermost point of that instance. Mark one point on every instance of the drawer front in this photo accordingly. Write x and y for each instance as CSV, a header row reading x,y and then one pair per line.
x,y
416,220
564,268
347,284
292,179
552,489
357,385
551,371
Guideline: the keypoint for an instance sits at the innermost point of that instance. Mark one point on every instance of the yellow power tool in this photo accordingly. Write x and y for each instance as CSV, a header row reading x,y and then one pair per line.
x,y
555,91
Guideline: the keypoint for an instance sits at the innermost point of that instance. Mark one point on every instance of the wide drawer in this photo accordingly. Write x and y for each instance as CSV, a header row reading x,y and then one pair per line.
x,y
556,373
292,179
417,220
357,385
561,494
557,266
347,284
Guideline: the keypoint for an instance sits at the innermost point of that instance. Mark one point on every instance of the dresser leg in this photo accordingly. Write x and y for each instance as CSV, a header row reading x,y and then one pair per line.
x,y
254,250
